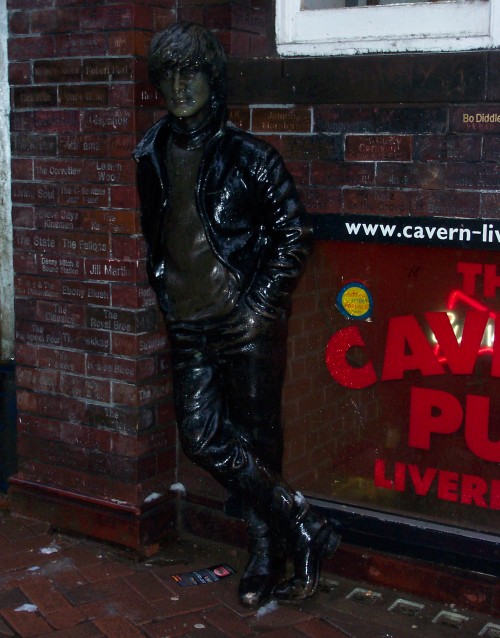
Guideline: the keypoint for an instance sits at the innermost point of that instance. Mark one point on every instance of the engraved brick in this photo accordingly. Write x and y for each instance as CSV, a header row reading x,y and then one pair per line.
x,y
37,287
120,368
474,176
332,119
90,293
322,200
61,313
374,202
133,296
83,195
446,204
128,321
122,93
34,97
429,148
77,145
147,95
411,120
83,244
325,147
57,121
116,221
61,266
479,119
120,419
371,148
110,121
139,395
490,204
83,96
133,345
107,17
80,44
108,69
52,218
240,117
428,176
52,71
121,145
59,170
85,387
67,361
23,192
86,339
22,121
38,334
37,380
111,270
273,120
341,174
111,171
26,144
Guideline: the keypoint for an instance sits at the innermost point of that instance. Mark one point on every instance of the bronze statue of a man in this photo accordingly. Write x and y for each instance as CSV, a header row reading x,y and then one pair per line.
x,y
226,246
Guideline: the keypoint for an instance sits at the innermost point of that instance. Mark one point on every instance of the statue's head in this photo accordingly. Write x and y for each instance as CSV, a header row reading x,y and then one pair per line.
x,y
187,64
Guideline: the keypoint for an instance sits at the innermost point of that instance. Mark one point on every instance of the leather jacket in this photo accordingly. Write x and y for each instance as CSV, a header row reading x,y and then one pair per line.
x,y
249,207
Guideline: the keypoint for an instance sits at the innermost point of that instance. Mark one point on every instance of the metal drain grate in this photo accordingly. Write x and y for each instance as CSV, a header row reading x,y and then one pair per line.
x,y
365,596
490,631
406,607
450,619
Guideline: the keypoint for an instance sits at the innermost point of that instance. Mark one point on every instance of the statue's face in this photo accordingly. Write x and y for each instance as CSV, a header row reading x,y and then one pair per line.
x,y
187,93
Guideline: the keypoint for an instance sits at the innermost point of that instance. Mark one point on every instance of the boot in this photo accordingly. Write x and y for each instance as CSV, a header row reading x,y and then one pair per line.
x,y
266,564
310,540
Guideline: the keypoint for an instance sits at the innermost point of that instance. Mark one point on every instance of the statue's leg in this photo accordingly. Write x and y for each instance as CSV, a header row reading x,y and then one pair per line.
x,y
213,441
253,369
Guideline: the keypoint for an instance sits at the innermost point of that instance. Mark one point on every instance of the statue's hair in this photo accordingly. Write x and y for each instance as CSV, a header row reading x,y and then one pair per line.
x,y
188,44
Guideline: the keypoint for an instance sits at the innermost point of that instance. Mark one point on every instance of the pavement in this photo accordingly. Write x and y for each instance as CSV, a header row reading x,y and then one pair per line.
x,y
70,586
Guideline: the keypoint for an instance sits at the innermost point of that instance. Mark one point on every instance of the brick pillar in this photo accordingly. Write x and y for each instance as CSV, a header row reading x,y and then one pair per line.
x,y
96,436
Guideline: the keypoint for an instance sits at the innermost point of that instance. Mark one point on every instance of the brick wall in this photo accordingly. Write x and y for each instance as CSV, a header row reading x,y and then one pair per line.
x,y
96,438
399,135
373,134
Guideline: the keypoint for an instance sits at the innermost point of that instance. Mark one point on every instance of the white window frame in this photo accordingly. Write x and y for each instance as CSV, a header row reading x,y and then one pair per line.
x,y
456,25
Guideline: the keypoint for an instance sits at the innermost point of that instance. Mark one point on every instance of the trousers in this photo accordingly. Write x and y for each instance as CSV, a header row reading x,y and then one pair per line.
x,y
227,383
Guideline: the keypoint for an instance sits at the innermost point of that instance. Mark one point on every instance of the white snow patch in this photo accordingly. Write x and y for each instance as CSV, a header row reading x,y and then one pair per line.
x,y
35,568
299,498
178,487
199,625
51,549
152,497
267,609
27,607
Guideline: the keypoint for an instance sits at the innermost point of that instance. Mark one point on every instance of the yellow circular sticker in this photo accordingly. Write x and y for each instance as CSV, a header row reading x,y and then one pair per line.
x,y
354,301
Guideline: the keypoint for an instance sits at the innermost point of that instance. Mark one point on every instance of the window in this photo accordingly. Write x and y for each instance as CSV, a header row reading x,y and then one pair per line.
x,y
348,27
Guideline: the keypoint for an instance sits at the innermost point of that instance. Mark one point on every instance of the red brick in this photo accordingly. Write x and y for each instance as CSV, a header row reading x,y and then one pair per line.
x,y
57,121
22,169
19,22
446,204
429,176
116,627
49,71
321,200
83,96
283,120
80,44
123,196
372,148
42,593
26,623
67,618
107,17
133,296
30,97
29,48
19,73
131,345
342,174
376,202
